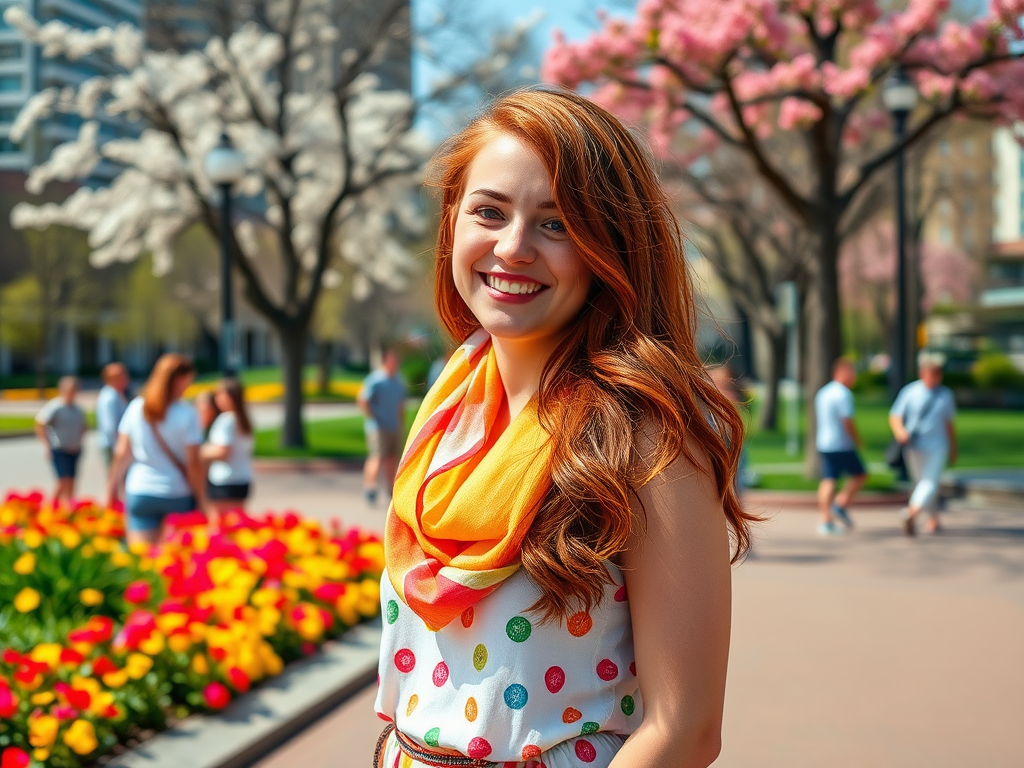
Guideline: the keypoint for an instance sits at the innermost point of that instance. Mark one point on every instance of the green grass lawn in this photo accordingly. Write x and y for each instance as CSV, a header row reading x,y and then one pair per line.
x,y
328,438
21,424
986,438
272,375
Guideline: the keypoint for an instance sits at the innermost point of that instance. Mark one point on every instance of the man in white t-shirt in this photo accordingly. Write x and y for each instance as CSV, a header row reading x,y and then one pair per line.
x,y
837,441
921,419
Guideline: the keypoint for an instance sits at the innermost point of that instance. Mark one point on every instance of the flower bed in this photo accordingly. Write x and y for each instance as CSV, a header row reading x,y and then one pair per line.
x,y
99,643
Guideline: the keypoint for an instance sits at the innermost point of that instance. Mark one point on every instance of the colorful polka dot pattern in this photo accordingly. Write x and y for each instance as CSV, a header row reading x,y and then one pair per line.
x,y
499,684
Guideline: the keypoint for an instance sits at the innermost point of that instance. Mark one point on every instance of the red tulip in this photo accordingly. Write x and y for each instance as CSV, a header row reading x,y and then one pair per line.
x,y
137,592
14,758
238,679
217,696
8,701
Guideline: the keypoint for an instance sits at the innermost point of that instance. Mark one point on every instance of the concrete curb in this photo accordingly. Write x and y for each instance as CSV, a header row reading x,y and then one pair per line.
x,y
307,466
257,723
756,500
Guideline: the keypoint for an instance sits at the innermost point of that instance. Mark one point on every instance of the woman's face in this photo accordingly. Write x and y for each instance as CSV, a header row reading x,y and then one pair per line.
x,y
223,401
512,260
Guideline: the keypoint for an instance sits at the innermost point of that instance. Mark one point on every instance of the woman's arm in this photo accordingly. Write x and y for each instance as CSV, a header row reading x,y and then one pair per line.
x,y
118,466
210,452
678,578
196,478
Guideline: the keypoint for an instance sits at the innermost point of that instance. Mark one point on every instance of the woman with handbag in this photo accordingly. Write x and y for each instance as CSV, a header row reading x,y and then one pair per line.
x,y
159,437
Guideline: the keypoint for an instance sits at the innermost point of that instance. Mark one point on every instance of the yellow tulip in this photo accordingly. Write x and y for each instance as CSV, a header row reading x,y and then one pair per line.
x,y
121,559
179,643
137,665
101,700
200,665
87,551
42,730
81,737
115,680
32,538
47,653
25,564
26,600
168,622
105,544
70,538
90,596
41,754
153,644
42,699
8,517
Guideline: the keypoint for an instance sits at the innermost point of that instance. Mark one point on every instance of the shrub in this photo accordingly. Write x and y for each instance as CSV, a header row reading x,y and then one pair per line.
x,y
996,371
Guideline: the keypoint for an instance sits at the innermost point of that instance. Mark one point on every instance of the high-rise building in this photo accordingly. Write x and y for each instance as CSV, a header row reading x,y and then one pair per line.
x,y
24,72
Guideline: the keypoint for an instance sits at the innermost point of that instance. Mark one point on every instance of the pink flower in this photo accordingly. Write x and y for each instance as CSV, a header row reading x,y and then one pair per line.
x,y
216,695
137,592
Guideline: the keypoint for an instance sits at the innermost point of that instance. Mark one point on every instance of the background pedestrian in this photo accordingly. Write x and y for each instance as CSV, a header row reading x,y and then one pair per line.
x,y
159,437
206,407
837,441
382,401
229,449
61,426
921,419
110,407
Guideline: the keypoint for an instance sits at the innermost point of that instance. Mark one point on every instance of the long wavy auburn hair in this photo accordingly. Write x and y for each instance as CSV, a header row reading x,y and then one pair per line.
x,y
156,392
625,394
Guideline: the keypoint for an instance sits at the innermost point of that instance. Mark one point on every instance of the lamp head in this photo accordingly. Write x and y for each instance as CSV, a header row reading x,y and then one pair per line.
x,y
224,164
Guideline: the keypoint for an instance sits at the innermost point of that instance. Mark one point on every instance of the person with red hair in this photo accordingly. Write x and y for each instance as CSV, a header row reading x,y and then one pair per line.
x,y
557,584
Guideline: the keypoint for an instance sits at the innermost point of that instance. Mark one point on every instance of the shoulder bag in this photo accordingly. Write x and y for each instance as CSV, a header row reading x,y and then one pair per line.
x,y
174,459
894,450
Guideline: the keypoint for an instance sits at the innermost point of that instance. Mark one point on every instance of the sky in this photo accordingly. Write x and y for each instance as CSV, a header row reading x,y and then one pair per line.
x,y
576,18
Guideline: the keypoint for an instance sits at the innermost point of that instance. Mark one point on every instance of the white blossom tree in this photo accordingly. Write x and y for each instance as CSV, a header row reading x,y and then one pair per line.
x,y
332,159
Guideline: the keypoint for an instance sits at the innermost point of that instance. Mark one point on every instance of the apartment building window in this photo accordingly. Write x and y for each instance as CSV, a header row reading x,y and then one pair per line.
x,y
10,51
7,146
10,83
9,114
944,147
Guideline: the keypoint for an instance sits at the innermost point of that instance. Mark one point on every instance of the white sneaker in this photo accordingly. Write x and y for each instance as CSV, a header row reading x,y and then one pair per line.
x,y
830,529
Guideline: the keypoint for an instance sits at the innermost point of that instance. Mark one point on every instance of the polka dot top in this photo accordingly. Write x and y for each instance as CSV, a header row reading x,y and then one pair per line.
x,y
499,685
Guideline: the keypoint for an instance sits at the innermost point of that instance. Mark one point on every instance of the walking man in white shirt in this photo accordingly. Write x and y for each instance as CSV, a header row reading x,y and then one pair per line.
x,y
837,441
921,419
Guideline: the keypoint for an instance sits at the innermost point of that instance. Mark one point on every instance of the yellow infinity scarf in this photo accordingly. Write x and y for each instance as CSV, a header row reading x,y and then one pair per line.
x,y
464,496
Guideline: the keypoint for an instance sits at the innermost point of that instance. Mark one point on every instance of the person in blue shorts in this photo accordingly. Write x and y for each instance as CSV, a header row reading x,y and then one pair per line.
x,y
837,442
382,401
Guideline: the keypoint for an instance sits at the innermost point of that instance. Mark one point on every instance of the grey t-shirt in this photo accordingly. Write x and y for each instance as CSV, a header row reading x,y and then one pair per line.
x,y
385,395
65,425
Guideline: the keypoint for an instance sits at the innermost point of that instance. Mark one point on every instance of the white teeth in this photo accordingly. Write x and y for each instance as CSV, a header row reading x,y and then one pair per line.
x,y
512,288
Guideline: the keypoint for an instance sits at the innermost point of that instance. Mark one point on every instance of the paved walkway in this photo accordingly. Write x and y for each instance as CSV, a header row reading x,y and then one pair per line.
x,y
871,651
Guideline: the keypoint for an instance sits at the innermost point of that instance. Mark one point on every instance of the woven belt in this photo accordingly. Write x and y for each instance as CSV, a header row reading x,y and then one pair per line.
x,y
425,755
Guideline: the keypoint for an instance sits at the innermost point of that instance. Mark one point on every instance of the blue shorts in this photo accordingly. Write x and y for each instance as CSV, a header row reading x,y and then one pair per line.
x,y
65,464
836,464
145,513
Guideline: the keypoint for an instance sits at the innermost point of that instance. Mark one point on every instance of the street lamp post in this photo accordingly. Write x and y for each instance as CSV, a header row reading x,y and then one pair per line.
x,y
225,166
900,98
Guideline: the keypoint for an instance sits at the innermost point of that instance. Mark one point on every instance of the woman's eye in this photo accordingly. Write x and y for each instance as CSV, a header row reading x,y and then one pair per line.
x,y
555,226
486,213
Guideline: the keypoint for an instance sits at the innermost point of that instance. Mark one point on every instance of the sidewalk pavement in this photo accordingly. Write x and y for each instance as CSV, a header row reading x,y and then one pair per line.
x,y
867,651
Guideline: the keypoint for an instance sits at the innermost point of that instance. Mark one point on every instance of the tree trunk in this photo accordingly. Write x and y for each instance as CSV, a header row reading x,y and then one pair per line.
x,y
822,329
775,366
293,355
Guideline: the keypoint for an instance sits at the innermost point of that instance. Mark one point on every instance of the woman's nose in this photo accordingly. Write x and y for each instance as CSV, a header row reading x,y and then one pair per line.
x,y
514,245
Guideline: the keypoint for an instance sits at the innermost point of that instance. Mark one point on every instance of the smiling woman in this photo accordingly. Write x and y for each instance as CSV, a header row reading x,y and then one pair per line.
x,y
557,550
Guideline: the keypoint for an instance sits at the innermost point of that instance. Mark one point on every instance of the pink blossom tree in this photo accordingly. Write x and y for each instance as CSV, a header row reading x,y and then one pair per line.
x,y
750,75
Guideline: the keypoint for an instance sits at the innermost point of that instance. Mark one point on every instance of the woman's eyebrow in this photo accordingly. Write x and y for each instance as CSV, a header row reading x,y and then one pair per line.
x,y
501,197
